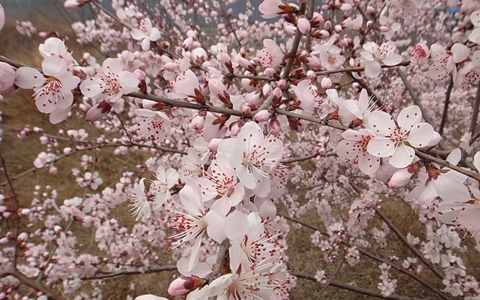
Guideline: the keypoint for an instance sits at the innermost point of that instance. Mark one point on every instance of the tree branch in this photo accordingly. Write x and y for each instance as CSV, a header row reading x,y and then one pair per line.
x,y
445,106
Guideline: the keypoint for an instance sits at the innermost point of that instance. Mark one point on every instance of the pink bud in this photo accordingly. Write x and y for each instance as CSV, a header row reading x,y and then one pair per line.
x,y
22,237
282,83
213,144
338,28
400,178
328,25
277,92
267,90
324,34
326,82
275,127
370,9
246,109
74,4
197,122
311,75
67,150
184,285
346,7
98,111
53,170
43,140
369,24
263,115
303,25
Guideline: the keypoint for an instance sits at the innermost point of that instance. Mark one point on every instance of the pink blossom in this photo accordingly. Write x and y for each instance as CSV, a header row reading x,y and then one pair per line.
x,y
373,55
419,54
271,55
253,155
354,147
146,33
53,87
398,142
154,125
141,205
443,62
110,83
149,297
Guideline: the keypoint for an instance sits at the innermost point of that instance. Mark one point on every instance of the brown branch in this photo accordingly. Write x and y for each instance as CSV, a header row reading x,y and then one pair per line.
x,y
351,288
105,275
406,243
221,263
15,210
476,107
414,95
445,106
88,149
374,257
31,283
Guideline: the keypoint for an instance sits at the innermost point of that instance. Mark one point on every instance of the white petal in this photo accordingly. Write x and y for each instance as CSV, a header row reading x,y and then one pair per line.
x,y
409,117
476,161
28,78
460,52
402,157
368,164
372,69
421,135
381,147
381,123
454,156
392,59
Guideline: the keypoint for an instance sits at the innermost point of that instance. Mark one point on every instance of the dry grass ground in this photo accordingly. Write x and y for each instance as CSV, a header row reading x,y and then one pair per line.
x,y
19,155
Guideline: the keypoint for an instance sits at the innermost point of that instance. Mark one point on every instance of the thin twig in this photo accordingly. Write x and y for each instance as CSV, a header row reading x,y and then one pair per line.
x,y
31,283
105,275
445,106
374,257
351,288
414,95
14,211
476,107
406,243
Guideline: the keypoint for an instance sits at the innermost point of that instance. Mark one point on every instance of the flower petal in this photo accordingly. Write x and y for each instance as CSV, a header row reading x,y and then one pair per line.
x,y
402,157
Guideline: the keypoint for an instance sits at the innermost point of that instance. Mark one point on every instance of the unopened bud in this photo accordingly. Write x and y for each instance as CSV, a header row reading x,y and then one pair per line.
x,y
303,25
184,285
262,115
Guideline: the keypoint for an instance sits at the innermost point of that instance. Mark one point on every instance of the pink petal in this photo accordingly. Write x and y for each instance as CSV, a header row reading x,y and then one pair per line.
x,y
216,226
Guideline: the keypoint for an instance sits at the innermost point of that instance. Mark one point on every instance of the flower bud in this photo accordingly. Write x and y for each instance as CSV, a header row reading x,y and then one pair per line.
x,y
184,285
22,237
328,25
401,178
98,111
326,82
246,110
303,25
262,115
213,144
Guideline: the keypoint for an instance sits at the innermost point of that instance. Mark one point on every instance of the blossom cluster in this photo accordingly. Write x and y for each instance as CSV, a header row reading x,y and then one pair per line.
x,y
231,141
